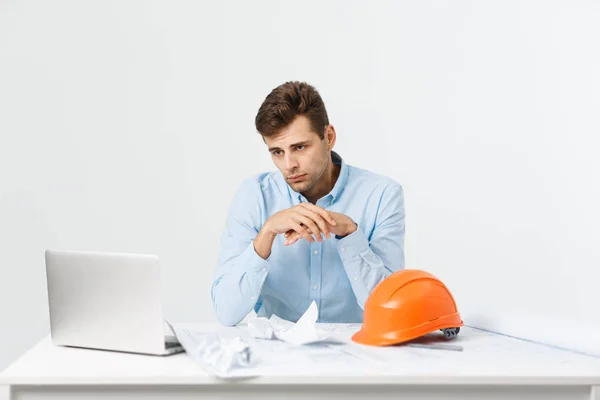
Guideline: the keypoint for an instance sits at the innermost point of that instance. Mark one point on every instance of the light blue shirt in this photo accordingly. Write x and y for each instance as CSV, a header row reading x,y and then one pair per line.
x,y
337,274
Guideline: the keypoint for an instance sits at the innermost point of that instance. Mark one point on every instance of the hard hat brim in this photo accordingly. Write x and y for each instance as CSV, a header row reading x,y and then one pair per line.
x,y
363,336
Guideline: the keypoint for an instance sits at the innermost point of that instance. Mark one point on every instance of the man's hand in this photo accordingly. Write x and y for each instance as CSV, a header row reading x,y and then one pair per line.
x,y
305,219
344,226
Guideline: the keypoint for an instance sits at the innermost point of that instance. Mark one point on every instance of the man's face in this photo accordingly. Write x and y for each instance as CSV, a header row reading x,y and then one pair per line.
x,y
300,154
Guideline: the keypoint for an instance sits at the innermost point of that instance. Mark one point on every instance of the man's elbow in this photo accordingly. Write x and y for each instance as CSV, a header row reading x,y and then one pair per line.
x,y
226,315
227,319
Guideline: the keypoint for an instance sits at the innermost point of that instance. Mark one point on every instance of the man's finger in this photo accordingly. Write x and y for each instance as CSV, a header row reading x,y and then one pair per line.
x,y
319,210
302,231
294,237
311,225
293,232
317,218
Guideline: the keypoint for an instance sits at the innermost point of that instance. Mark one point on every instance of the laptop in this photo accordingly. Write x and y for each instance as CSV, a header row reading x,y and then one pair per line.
x,y
107,301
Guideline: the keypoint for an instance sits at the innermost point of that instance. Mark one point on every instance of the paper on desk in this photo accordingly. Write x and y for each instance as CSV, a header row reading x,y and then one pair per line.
x,y
219,355
302,332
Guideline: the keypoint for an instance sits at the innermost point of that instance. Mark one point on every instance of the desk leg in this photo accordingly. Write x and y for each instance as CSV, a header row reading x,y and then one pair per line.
x,y
298,392
595,393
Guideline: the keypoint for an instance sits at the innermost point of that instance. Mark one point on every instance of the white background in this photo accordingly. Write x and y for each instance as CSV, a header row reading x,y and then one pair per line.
x,y
127,126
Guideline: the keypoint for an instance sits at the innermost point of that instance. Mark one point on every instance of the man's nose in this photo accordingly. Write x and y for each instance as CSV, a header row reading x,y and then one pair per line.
x,y
290,162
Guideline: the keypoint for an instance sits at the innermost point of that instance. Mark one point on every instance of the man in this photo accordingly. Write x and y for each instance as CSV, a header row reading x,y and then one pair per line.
x,y
316,230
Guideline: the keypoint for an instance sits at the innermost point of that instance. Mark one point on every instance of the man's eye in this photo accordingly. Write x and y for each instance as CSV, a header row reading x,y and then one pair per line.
x,y
299,147
277,153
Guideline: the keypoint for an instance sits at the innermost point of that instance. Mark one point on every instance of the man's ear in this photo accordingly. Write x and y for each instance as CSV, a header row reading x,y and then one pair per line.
x,y
330,136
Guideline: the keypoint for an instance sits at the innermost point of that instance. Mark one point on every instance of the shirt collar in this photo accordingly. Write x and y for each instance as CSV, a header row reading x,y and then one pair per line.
x,y
342,178
339,183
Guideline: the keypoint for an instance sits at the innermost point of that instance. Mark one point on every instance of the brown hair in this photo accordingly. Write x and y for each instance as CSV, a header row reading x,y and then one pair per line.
x,y
285,103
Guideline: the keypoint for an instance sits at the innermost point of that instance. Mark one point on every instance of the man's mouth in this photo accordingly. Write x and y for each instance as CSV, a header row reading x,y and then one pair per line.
x,y
296,178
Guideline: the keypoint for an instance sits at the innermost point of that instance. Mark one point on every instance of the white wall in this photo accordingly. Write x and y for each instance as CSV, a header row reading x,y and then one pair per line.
x,y
127,126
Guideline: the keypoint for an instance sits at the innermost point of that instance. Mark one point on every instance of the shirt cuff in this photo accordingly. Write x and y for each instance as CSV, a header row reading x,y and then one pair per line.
x,y
256,263
254,266
349,247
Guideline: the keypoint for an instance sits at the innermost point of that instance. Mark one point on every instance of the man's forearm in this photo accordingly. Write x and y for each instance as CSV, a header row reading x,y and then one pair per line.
x,y
364,267
263,243
236,290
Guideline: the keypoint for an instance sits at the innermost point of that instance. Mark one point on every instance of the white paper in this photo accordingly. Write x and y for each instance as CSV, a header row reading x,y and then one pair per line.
x,y
509,356
300,333
260,328
270,357
220,355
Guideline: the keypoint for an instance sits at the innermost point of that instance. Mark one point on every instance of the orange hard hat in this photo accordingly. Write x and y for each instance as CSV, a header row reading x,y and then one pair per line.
x,y
406,305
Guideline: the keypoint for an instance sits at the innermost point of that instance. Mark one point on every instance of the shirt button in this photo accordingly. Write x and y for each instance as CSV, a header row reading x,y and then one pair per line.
x,y
316,287
343,249
316,252
356,278
263,270
252,298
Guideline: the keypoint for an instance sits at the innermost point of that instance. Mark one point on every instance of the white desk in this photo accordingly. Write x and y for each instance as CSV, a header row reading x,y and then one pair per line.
x,y
490,367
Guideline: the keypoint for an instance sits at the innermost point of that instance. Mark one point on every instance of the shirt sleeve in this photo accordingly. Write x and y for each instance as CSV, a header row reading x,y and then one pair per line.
x,y
240,271
369,261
